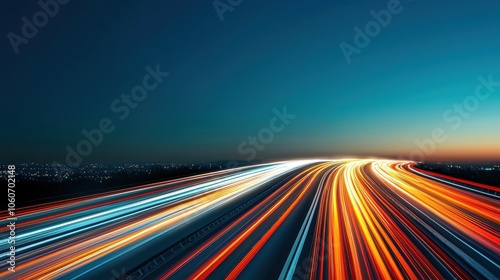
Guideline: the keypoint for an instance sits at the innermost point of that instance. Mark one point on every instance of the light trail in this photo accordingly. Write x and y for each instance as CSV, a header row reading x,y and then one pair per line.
x,y
314,219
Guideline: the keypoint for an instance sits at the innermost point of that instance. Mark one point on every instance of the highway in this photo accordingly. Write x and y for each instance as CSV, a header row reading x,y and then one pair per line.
x,y
302,219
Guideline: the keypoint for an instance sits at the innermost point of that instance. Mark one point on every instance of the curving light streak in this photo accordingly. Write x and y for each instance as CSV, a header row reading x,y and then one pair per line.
x,y
343,219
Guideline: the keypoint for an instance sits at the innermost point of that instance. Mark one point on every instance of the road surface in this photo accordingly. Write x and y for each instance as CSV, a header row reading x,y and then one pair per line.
x,y
308,219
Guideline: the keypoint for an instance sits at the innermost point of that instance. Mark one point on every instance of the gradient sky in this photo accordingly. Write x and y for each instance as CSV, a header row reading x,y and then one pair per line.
x,y
227,76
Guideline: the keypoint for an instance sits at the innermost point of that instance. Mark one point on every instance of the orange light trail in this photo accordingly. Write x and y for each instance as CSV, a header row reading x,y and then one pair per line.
x,y
316,219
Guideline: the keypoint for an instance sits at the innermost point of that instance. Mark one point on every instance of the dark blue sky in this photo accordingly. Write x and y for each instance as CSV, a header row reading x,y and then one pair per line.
x,y
227,76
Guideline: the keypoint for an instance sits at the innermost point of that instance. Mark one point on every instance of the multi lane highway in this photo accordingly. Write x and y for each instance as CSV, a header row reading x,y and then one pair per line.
x,y
308,219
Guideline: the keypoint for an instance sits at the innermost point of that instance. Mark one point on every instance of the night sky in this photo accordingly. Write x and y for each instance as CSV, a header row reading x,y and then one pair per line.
x,y
226,77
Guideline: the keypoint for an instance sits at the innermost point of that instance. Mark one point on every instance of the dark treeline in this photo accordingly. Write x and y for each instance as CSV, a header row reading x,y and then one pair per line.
x,y
472,172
